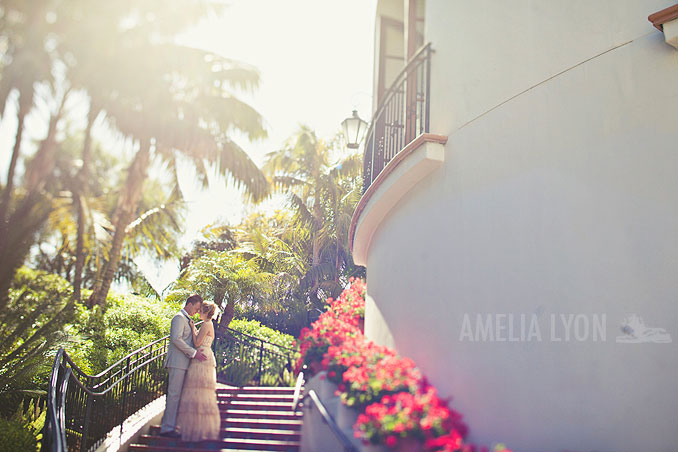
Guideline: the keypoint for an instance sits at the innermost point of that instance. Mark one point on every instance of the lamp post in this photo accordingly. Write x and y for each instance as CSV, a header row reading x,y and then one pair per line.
x,y
354,129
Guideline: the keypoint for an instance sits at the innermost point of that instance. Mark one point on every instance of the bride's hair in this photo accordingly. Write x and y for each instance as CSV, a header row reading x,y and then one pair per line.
x,y
208,308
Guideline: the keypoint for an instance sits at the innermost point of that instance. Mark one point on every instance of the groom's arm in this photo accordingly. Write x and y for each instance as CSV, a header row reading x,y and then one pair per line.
x,y
175,337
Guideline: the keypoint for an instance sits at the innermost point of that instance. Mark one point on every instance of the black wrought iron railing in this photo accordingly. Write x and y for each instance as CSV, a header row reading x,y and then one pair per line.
x,y
243,359
402,115
82,409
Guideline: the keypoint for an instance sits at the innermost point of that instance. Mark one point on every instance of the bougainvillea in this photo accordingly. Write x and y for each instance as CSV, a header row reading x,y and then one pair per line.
x,y
367,384
350,306
421,415
394,399
354,352
324,332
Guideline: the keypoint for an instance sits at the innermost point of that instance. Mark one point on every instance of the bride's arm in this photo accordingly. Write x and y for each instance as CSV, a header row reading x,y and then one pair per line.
x,y
205,329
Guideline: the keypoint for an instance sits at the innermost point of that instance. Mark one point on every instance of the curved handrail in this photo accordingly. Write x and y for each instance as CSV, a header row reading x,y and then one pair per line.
x,y
402,114
121,360
331,423
297,390
397,81
51,436
137,351
230,330
62,411
261,340
82,409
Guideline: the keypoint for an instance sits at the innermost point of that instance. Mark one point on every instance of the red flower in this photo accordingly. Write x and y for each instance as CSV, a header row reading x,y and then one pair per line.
x,y
394,398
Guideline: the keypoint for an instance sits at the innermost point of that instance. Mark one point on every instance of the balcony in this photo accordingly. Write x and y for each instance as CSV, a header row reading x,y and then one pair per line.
x,y
400,151
402,116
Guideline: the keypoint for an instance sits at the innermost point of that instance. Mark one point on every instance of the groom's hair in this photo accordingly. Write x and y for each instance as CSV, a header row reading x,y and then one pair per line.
x,y
195,298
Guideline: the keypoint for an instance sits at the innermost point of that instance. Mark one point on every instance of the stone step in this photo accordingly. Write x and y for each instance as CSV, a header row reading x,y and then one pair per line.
x,y
252,418
257,431
280,424
258,397
257,390
250,414
193,448
286,425
261,433
226,443
147,448
237,404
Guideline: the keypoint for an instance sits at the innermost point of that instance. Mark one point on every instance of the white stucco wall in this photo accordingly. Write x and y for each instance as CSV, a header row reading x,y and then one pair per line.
x,y
559,199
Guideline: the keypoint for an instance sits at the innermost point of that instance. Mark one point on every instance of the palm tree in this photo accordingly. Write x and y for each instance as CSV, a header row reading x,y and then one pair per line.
x,y
277,245
323,196
25,63
228,278
185,108
154,231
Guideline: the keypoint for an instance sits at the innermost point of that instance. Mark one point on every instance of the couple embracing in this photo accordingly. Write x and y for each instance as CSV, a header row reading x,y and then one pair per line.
x,y
191,404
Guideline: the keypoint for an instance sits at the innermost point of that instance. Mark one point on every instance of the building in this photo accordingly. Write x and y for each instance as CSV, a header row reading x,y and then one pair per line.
x,y
521,215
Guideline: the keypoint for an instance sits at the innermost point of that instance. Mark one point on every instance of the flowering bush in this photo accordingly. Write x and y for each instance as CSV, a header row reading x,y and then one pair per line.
x,y
327,330
394,399
367,384
404,415
354,352
350,306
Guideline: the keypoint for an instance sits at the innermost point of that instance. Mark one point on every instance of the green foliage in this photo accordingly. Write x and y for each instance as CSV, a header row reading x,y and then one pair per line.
x,y
228,278
33,324
23,430
154,231
238,361
323,186
288,378
130,322
236,366
256,329
15,437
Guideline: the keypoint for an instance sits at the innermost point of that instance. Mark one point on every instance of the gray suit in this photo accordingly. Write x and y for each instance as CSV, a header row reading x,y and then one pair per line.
x,y
179,354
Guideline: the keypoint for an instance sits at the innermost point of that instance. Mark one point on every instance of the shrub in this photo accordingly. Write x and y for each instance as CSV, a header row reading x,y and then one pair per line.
x,y
234,360
130,322
392,396
256,329
353,352
15,437
31,326
324,332
23,431
421,415
388,375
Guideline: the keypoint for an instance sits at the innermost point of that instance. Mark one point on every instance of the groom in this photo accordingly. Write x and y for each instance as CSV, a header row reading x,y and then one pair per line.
x,y
179,355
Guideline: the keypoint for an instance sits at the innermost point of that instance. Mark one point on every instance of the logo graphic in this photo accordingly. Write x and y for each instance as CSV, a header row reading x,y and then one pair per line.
x,y
635,332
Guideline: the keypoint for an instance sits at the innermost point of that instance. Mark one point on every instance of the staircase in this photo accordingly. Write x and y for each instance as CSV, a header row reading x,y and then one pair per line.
x,y
252,418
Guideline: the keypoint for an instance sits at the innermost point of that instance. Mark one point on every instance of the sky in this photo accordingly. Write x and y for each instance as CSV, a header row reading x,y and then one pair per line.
x,y
315,62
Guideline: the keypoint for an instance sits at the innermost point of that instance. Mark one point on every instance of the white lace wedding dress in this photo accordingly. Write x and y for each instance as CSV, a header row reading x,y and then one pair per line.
x,y
198,417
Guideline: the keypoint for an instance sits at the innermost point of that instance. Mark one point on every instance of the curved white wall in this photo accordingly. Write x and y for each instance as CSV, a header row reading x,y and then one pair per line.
x,y
561,200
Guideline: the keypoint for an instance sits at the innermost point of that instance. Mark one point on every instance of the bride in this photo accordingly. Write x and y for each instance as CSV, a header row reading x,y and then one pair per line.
x,y
198,416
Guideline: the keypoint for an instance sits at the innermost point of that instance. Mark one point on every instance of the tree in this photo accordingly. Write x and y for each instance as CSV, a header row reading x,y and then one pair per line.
x,y
25,63
277,245
322,195
154,231
40,306
188,111
227,278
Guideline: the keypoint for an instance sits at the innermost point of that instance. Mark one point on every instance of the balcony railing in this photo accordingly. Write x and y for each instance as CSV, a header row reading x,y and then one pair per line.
x,y
402,115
